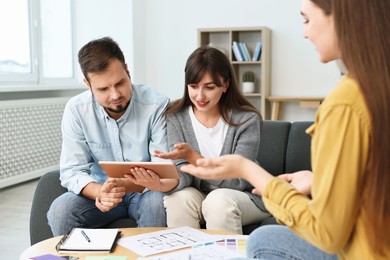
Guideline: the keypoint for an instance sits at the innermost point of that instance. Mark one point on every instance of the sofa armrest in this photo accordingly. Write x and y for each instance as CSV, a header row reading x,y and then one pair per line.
x,y
47,190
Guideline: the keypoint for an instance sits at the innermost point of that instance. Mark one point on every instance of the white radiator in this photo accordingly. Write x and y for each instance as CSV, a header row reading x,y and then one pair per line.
x,y
30,138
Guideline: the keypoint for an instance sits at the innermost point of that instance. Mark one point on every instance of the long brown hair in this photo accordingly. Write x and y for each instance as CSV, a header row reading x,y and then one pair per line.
x,y
363,28
211,60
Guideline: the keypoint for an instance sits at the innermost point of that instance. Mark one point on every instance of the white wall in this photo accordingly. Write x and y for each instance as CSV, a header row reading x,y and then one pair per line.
x,y
170,35
157,37
98,18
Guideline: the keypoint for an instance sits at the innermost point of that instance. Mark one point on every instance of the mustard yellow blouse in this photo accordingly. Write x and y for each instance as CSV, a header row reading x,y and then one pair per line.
x,y
332,219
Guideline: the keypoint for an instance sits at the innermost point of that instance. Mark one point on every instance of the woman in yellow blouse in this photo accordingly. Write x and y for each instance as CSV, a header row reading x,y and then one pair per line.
x,y
348,212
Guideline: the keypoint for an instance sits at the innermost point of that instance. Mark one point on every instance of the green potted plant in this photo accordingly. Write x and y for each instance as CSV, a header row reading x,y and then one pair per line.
x,y
248,82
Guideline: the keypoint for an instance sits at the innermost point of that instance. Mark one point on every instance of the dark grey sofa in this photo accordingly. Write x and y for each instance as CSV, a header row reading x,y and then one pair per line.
x,y
284,147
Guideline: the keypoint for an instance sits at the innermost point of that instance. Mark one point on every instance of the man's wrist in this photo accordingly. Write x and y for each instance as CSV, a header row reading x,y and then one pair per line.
x,y
91,190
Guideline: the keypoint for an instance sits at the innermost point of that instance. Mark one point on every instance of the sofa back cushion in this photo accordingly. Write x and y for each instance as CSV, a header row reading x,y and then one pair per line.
x,y
273,144
298,147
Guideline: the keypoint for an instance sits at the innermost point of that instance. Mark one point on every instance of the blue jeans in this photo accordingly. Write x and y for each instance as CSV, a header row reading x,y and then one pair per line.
x,y
70,210
274,242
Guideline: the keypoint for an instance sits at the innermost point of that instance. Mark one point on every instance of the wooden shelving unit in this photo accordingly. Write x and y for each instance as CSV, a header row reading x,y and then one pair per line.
x,y
223,38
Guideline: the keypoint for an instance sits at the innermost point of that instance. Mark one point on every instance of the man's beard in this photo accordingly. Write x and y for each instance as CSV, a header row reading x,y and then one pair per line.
x,y
119,109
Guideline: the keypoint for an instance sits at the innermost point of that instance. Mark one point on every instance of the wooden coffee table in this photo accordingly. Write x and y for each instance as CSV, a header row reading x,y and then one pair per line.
x,y
48,246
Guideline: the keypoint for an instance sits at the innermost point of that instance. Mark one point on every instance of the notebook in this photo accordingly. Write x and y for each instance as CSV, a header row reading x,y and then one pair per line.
x,y
84,240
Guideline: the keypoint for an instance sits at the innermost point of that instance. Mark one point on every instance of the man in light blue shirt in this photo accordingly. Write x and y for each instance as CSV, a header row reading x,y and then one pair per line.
x,y
112,121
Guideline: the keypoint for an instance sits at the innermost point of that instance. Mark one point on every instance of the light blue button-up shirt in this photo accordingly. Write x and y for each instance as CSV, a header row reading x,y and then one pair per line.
x,y
90,135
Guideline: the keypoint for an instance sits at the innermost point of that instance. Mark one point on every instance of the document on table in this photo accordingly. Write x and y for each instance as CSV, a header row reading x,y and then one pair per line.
x,y
165,240
211,252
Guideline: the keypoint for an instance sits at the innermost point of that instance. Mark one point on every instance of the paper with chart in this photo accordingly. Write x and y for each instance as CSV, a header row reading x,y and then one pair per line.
x,y
236,243
165,240
223,248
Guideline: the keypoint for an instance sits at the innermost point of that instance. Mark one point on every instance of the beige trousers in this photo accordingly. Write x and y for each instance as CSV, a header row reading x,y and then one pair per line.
x,y
221,209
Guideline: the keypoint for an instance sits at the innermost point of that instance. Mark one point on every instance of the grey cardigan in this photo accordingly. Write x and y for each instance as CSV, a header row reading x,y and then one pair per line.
x,y
243,140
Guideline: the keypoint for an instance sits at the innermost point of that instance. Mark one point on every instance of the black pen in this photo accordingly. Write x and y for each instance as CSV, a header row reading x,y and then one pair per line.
x,y
85,236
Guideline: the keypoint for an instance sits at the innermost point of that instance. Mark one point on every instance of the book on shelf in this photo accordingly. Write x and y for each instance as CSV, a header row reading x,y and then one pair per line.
x,y
85,240
248,55
242,52
257,52
236,51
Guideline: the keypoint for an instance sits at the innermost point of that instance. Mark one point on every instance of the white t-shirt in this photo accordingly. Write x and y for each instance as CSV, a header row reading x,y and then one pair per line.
x,y
210,140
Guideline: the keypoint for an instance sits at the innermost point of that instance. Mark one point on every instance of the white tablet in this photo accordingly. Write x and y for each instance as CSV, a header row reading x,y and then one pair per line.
x,y
166,170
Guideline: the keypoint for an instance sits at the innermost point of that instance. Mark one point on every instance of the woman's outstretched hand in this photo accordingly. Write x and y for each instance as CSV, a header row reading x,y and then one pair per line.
x,y
229,167
224,167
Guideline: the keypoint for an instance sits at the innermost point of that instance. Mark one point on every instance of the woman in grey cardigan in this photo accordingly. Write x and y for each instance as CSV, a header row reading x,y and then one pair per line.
x,y
211,119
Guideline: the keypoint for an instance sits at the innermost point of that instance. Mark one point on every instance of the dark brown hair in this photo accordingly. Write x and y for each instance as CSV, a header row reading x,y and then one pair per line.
x,y
213,61
363,28
96,55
